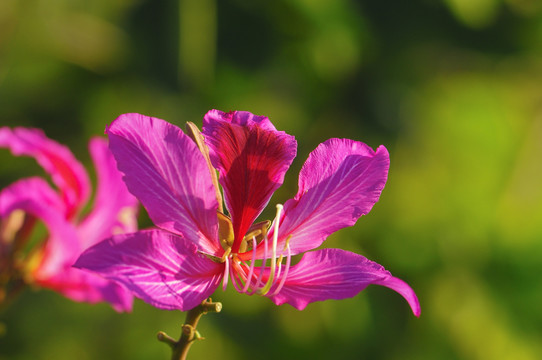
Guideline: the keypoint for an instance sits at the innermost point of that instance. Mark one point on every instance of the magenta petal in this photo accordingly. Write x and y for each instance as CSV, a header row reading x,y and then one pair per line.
x,y
83,286
242,118
115,209
336,274
62,247
159,267
35,197
67,173
165,170
252,158
340,181
404,290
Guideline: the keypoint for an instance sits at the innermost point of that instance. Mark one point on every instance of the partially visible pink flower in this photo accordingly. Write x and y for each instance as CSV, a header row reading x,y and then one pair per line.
x,y
113,211
195,246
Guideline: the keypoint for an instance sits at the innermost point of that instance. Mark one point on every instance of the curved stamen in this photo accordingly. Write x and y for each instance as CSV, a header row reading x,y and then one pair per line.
x,y
286,269
242,273
262,268
269,283
251,270
226,272
279,260
234,277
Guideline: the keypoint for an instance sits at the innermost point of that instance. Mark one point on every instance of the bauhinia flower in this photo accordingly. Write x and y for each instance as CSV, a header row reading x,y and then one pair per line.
x,y
49,264
195,245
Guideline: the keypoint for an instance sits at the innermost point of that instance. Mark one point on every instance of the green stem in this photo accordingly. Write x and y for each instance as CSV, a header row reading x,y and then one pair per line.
x,y
189,333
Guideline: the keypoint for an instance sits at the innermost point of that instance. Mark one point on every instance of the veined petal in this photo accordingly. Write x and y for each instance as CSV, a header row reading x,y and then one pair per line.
x,y
340,181
114,210
161,268
242,118
67,173
337,274
252,158
165,170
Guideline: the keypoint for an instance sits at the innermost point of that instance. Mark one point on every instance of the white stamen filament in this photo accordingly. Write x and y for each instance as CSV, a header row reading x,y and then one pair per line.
x,y
242,273
269,283
226,273
251,270
238,271
279,260
262,268
287,267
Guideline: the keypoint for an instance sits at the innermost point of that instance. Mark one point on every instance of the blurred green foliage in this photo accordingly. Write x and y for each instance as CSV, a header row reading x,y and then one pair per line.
x,y
453,89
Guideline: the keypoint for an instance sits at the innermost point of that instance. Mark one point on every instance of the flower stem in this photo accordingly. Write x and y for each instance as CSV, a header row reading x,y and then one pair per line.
x,y
189,333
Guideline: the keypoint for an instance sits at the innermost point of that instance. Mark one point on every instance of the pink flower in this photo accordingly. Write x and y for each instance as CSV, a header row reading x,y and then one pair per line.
x,y
114,211
195,246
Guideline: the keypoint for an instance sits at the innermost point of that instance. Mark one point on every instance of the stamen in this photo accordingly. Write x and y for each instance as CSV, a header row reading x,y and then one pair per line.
x,y
262,268
271,278
286,269
226,273
251,270
237,271
279,260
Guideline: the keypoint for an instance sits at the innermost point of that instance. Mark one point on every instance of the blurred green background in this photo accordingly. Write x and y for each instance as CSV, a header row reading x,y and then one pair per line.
x,y
452,88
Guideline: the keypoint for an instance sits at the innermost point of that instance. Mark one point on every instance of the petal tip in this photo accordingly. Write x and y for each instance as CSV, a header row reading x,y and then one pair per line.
x,y
405,291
